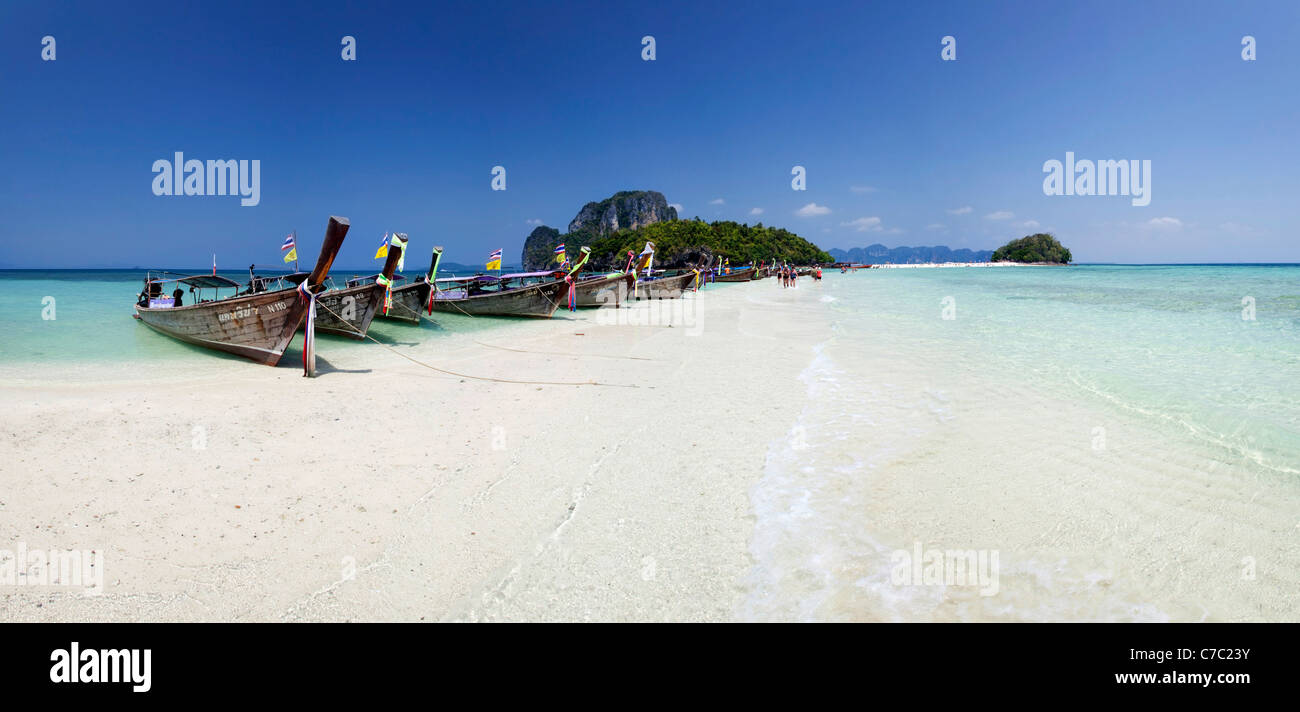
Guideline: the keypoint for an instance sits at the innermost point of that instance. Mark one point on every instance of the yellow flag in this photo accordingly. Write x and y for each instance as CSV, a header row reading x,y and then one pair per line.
x,y
383,249
293,255
494,264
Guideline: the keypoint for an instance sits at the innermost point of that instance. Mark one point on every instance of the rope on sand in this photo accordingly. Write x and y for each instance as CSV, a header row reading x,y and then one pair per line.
x,y
421,315
485,378
561,353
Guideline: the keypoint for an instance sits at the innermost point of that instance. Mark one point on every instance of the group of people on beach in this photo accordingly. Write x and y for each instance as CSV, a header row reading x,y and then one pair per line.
x,y
787,275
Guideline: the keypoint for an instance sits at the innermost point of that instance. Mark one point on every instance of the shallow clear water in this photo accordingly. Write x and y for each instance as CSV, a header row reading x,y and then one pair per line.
x,y
1124,440
93,334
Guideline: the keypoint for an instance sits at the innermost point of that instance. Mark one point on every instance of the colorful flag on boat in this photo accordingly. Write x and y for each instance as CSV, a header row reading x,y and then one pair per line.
x,y
559,253
399,240
291,246
494,259
646,258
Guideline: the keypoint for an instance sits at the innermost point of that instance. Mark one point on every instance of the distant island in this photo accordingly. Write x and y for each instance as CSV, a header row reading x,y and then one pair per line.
x,y
878,254
1039,248
626,220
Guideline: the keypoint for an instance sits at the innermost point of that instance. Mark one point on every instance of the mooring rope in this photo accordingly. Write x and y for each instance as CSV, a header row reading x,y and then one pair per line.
x,y
487,378
420,315
561,353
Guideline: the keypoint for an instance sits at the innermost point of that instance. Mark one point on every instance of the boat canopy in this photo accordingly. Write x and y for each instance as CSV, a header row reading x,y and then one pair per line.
x,y
461,280
207,281
516,275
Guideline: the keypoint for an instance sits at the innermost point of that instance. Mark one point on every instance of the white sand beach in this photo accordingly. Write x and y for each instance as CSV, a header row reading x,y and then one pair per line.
x,y
385,491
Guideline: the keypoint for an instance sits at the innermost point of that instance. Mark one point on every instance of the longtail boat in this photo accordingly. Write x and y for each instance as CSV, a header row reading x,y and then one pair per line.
x,y
408,300
515,294
739,275
342,312
664,287
255,325
599,290
349,311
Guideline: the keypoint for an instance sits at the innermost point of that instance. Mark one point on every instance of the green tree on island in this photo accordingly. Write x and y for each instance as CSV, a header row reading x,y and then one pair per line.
x,y
679,243
1039,247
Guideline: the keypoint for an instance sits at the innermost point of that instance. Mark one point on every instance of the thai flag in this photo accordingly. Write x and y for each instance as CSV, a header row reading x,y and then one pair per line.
x,y
288,244
559,249
496,255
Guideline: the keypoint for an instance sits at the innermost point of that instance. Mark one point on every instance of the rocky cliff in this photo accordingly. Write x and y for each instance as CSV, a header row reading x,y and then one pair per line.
x,y
539,248
623,210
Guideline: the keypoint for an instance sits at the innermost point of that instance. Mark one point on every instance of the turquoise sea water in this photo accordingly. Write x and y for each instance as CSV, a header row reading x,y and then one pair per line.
x,y
93,323
1175,344
1127,438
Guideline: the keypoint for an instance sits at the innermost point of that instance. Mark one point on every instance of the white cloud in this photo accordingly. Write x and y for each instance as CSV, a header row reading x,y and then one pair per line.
x,y
1031,224
936,226
894,231
812,209
677,207
756,211
960,211
1165,223
534,221
862,189
871,224
1000,215
717,201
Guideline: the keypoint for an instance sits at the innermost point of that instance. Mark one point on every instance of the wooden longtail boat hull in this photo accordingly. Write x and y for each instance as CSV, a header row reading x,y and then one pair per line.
x,y
665,287
744,275
255,326
409,302
610,290
348,312
259,326
535,300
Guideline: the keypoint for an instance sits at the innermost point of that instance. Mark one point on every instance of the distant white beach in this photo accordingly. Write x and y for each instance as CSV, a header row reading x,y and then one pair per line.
x,y
931,265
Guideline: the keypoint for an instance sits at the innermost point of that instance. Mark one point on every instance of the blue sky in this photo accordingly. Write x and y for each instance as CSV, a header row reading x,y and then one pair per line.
x,y
900,147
